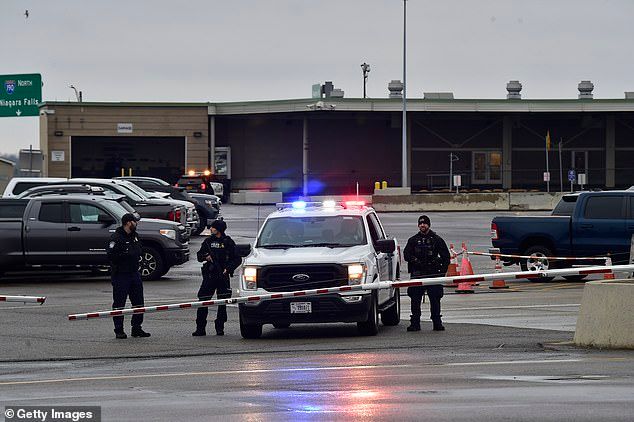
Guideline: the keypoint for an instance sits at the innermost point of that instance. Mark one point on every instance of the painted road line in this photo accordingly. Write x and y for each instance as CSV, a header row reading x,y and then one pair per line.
x,y
287,370
481,308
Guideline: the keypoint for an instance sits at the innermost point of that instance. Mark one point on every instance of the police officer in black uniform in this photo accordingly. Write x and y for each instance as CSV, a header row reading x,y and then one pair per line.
x,y
427,256
218,252
124,253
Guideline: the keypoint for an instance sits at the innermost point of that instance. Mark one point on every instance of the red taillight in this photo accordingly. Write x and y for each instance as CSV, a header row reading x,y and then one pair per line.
x,y
494,231
174,215
175,185
203,186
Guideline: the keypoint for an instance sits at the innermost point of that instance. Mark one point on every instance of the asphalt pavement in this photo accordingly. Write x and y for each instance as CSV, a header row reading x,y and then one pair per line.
x,y
506,354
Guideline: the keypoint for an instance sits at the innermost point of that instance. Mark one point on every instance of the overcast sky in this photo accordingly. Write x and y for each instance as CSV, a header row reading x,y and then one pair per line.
x,y
235,50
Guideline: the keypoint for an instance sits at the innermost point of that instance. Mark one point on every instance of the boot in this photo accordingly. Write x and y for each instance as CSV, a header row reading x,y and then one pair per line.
x,y
200,332
438,325
138,332
220,328
414,324
121,335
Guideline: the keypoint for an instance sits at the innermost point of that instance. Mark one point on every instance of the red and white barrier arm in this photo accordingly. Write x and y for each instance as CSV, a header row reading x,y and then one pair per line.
x,y
550,258
23,299
360,287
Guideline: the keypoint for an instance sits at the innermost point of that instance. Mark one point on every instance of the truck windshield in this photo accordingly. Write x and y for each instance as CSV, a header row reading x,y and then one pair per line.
x,y
134,188
118,209
297,232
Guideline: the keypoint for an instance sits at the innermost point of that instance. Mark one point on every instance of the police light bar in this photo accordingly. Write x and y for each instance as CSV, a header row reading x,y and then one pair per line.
x,y
297,205
351,204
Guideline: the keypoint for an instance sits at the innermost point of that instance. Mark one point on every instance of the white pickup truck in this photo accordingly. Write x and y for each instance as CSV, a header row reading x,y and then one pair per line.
x,y
316,245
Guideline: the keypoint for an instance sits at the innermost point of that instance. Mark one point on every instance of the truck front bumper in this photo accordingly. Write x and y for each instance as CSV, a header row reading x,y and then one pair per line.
x,y
326,308
177,256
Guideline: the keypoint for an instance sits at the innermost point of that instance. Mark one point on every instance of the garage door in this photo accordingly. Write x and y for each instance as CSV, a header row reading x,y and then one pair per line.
x,y
162,157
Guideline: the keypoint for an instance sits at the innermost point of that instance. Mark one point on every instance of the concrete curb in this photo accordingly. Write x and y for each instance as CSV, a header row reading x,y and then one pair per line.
x,y
606,317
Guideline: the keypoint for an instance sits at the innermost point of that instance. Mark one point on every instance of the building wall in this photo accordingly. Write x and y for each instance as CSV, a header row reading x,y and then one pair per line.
x,y
6,173
346,147
101,120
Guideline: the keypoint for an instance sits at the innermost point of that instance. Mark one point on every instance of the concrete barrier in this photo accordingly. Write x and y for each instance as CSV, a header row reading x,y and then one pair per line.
x,y
255,197
606,316
493,201
442,202
533,201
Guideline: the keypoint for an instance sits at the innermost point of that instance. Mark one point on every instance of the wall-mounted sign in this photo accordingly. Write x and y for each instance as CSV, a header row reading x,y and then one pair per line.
x,y
124,127
57,156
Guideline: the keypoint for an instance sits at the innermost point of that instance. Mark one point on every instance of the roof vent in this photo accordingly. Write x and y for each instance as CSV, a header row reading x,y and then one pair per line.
x,y
513,89
585,90
396,88
438,95
336,93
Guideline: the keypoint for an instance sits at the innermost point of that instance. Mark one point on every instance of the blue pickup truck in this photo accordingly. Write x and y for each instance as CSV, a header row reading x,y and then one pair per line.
x,y
582,224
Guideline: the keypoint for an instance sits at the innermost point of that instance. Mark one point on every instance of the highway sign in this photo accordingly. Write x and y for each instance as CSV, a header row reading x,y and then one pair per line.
x,y
20,95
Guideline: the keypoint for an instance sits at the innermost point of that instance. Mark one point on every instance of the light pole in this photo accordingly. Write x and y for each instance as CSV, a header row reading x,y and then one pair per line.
x,y
366,69
78,94
405,156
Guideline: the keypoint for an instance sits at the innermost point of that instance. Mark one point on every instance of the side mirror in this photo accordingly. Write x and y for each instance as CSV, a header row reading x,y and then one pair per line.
x,y
385,246
243,250
105,219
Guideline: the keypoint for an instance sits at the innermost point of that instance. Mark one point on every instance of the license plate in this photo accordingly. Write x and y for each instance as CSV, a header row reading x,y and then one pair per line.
x,y
301,307
189,187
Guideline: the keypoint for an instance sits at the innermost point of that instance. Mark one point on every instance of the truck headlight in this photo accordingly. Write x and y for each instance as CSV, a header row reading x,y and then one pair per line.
x,y
356,273
250,275
170,234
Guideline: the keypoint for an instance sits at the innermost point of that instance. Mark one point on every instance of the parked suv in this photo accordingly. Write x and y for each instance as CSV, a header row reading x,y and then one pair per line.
x,y
317,245
17,185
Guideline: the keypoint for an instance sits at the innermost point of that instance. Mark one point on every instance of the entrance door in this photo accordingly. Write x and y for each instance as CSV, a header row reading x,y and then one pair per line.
x,y
487,167
222,162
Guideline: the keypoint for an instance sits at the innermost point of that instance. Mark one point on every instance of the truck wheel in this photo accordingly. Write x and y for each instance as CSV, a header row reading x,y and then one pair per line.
x,y
537,263
282,325
202,225
151,264
371,326
392,315
250,331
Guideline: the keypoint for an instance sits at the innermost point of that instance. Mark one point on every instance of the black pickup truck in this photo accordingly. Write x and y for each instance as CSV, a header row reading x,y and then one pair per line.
x,y
72,231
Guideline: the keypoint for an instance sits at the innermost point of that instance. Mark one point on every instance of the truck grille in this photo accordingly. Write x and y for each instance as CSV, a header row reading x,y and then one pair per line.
x,y
279,278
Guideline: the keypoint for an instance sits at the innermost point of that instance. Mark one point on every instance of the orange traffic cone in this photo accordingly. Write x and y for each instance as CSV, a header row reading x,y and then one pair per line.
x,y
465,266
498,284
610,275
452,270
465,287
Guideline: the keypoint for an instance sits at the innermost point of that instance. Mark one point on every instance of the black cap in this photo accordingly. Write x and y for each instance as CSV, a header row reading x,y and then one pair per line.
x,y
424,219
127,218
219,225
